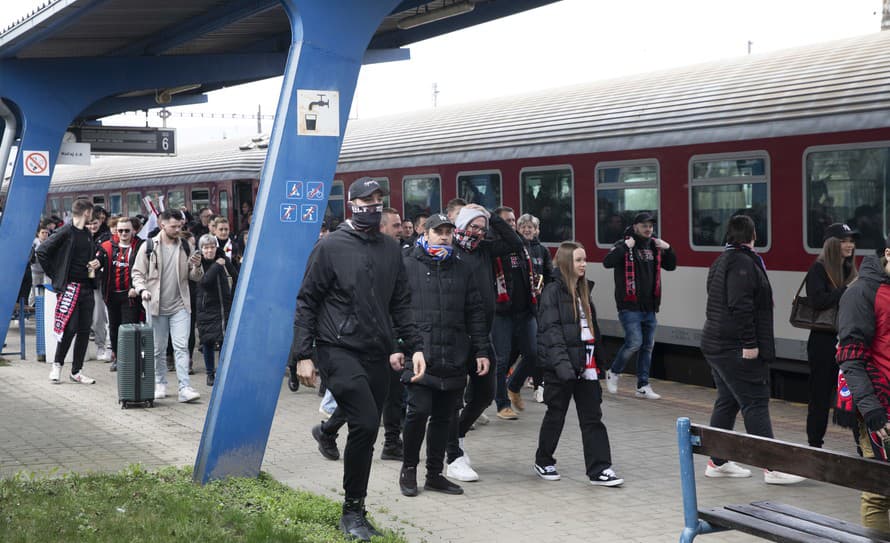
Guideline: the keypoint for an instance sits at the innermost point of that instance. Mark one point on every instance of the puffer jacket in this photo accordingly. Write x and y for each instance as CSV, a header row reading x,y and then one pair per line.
x,y
560,348
739,312
864,342
213,301
542,262
447,308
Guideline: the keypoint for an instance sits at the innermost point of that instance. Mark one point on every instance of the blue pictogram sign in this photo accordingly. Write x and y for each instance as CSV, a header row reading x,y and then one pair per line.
x,y
314,191
288,213
295,190
309,213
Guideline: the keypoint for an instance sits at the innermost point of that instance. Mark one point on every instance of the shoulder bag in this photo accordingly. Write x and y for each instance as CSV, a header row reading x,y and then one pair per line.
x,y
804,315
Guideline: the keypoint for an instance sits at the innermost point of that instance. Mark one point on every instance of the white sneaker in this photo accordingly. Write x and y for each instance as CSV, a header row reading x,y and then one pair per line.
x,y
648,393
188,394
483,420
779,478
324,413
55,373
104,355
82,379
729,469
539,394
611,382
460,469
160,391
548,473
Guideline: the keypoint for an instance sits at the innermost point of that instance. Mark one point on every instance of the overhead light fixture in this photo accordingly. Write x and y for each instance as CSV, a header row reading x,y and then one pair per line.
x,y
165,96
433,15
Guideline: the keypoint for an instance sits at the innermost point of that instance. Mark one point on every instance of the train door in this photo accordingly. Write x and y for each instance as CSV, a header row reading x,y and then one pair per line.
x,y
243,194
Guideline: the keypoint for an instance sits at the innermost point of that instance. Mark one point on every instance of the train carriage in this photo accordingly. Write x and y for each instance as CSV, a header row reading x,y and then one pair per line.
x,y
797,139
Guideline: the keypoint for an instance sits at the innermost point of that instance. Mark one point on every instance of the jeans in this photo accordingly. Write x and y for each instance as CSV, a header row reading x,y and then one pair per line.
x,y
207,349
37,281
525,327
639,337
100,321
479,393
742,385
175,327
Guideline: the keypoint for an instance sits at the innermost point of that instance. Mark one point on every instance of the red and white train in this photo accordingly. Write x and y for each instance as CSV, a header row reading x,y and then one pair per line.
x,y
798,139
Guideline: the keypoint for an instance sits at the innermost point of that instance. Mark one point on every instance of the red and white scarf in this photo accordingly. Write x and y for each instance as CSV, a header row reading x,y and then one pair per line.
x,y
65,305
501,280
630,276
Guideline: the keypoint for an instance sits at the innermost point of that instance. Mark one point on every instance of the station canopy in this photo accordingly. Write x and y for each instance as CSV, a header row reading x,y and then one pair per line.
x,y
133,28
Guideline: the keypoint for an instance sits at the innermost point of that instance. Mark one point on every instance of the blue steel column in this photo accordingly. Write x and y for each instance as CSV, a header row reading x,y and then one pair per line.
x,y
328,42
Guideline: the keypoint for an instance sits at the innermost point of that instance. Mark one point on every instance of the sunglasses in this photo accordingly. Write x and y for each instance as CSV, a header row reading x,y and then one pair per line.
x,y
124,230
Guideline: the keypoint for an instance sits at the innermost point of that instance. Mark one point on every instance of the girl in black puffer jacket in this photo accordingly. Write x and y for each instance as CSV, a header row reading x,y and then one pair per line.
x,y
568,347
213,300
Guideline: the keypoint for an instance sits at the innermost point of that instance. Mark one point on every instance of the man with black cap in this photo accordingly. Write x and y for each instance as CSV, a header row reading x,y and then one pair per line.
x,y
447,307
638,260
354,293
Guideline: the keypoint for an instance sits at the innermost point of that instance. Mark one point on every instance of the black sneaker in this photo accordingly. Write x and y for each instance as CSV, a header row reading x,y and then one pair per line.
x,y
606,477
113,366
354,525
327,444
438,483
391,452
408,481
548,473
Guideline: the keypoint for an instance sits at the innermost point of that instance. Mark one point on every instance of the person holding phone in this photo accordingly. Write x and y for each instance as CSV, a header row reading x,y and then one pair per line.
x,y
164,265
864,357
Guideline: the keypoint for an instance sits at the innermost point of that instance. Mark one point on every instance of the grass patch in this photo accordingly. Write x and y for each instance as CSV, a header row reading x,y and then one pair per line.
x,y
4,362
136,505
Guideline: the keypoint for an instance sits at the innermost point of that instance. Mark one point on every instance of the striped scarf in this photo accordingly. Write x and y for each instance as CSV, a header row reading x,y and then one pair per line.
x,y
630,275
65,304
501,280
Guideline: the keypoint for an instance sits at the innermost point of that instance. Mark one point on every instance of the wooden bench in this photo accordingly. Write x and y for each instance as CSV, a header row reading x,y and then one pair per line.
x,y
766,519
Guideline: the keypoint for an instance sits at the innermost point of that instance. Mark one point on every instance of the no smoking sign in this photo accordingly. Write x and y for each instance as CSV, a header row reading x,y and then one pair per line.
x,y
35,162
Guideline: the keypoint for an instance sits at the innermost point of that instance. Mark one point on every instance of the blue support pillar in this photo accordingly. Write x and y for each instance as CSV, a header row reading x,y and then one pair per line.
x,y
328,42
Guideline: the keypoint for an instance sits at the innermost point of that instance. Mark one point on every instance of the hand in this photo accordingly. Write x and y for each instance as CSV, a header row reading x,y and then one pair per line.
x,y
482,365
397,361
630,242
661,244
221,261
93,264
195,259
419,366
306,373
133,294
146,295
750,354
884,432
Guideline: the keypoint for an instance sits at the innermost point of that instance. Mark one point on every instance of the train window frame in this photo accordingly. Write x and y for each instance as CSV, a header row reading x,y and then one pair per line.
x,y
549,167
803,175
623,164
192,199
338,197
767,165
95,199
120,203
138,210
406,178
499,173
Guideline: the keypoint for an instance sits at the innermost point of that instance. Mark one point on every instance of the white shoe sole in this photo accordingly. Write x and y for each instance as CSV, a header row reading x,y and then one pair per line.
x,y
462,478
714,474
545,476
615,482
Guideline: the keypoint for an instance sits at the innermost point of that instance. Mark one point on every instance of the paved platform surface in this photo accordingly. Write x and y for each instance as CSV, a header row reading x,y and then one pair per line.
x,y
53,429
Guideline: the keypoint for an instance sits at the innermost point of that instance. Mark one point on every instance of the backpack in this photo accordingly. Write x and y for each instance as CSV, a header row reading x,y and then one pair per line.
x,y
150,247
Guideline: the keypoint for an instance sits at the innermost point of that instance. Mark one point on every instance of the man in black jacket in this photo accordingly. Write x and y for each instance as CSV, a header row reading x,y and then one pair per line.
x,y
448,309
68,257
638,260
738,343
354,287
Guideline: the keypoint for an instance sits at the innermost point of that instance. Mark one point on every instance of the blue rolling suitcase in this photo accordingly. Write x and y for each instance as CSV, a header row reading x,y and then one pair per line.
x,y
135,366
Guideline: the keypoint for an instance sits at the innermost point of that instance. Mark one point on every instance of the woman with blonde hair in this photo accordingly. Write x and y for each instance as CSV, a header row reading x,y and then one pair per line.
x,y
570,355
826,280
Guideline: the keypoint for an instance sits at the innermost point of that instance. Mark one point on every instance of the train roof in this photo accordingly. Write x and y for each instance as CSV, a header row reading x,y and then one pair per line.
x,y
829,87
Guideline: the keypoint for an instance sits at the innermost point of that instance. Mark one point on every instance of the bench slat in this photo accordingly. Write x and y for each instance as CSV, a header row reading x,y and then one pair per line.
x,y
821,465
760,528
799,524
844,526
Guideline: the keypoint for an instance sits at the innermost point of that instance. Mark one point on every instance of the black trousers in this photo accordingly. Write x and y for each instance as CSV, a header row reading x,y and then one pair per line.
x,y
821,349
121,310
358,383
77,330
436,406
393,410
588,397
742,385
479,395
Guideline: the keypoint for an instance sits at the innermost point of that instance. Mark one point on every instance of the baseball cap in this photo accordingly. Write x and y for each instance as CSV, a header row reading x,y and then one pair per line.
x,y
438,219
364,187
840,231
644,216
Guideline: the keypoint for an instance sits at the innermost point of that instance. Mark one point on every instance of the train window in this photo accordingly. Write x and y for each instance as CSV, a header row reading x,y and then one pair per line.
x,y
723,186
115,204
175,200
421,194
134,204
66,205
483,188
335,212
54,208
849,184
200,199
99,200
224,203
623,189
547,194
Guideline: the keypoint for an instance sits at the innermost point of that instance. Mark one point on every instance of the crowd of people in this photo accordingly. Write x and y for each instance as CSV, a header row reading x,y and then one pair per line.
x,y
107,271
472,307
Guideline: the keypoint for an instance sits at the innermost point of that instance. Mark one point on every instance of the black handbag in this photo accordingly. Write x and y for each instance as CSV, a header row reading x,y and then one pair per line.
x,y
804,315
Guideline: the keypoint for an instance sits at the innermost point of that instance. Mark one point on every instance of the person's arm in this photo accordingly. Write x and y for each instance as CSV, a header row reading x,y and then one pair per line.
x,y
548,266
615,256
856,330
551,342
210,275
315,288
820,292
740,279
139,272
474,316
668,259
506,240
403,322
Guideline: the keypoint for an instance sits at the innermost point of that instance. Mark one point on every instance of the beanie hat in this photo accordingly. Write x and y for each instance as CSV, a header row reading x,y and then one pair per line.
x,y
467,215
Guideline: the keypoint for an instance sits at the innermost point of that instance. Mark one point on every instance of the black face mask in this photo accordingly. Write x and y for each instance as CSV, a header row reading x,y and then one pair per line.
x,y
367,218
